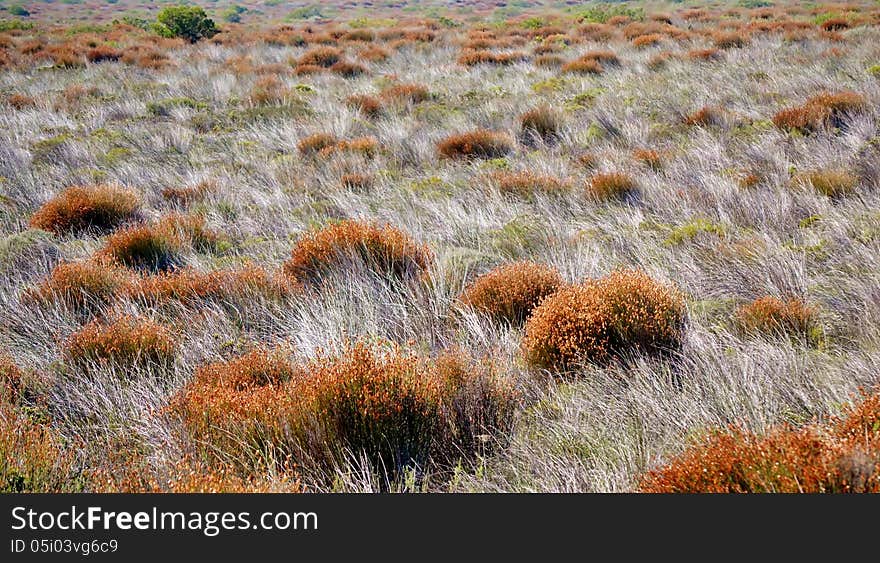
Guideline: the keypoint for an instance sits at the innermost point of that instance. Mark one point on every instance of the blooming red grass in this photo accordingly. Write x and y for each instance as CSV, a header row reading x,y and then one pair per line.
x,y
80,208
649,157
480,143
841,455
827,108
141,247
704,117
190,286
348,69
508,293
604,319
773,316
316,143
579,66
608,186
125,341
397,409
369,106
384,249
648,40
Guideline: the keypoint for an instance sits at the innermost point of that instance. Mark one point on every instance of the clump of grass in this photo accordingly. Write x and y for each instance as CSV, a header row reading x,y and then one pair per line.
x,y
190,286
480,143
357,182
82,286
705,116
397,409
348,69
21,101
837,456
827,108
609,186
189,230
384,249
549,61
772,316
650,158
142,247
508,293
583,66
542,122
407,93
126,341
324,57
647,40
369,106
315,143
187,195
603,320
79,208
710,54
730,40
835,24
527,184
374,54
833,183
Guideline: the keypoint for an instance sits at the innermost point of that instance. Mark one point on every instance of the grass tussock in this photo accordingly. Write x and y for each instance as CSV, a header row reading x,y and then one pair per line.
x,y
396,409
611,186
510,292
827,109
527,184
774,317
384,249
605,319
82,286
126,341
80,208
838,456
542,122
480,143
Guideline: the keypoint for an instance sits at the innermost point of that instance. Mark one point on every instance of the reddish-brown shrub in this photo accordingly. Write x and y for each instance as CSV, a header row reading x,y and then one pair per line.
x,y
508,293
384,249
348,69
838,456
648,40
356,182
825,108
187,195
604,58
187,230
527,184
649,157
83,207
710,54
480,143
606,186
369,106
395,408
730,40
705,116
305,70
316,143
405,93
374,54
103,53
769,315
142,247
835,24
604,319
21,101
542,121
579,66
190,286
324,57
124,341
83,286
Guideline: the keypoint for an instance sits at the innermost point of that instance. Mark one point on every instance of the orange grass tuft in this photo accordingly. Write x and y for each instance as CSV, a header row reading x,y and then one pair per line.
x,y
508,293
80,208
126,341
480,143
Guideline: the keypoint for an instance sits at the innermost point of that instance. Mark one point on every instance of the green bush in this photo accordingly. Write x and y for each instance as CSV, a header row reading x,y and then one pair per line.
x,y
189,22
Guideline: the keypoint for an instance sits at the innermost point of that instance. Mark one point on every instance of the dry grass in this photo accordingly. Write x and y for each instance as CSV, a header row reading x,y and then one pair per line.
x,y
542,121
481,143
125,341
610,186
772,316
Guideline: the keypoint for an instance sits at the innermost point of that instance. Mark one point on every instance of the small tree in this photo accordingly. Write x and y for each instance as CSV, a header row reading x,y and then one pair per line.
x,y
188,22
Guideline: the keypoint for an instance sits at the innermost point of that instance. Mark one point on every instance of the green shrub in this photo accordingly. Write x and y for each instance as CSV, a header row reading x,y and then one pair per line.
x,y
189,22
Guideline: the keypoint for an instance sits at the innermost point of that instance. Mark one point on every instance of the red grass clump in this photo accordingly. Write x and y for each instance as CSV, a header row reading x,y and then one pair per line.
x,y
508,293
527,184
649,157
704,117
356,182
772,316
126,341
80,208
835,24
480,143
604,319
369,106
141,247
83,286
583,66
397,409
21,101
191,286
648,40
608,186
384,249
823,109
730,40
316,143
405,93
841,455
348,69
374,54
324,57
187,195
103,53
